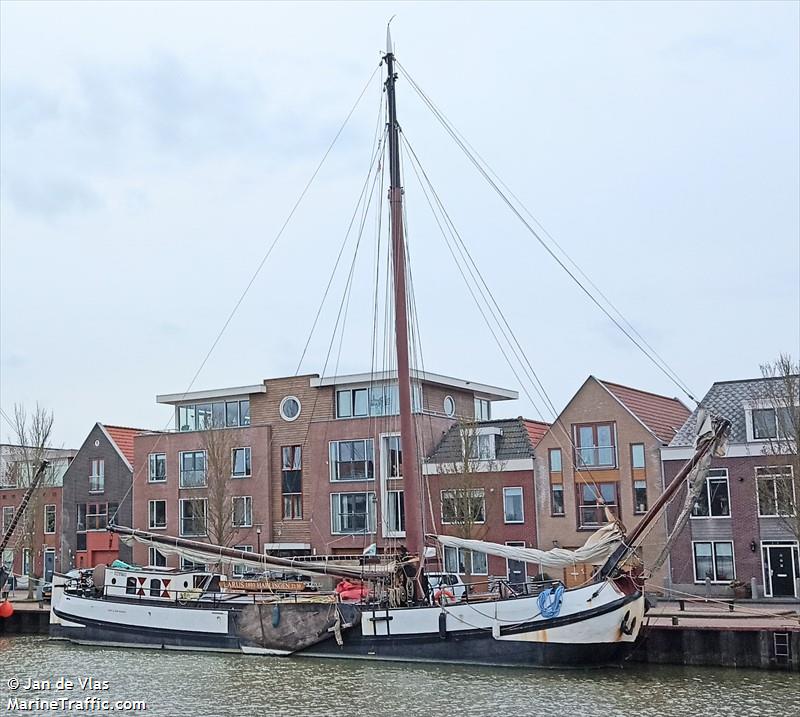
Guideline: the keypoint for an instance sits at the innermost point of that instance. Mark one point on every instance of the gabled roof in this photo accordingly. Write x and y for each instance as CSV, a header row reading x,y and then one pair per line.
x,y
122,439
661,415
728,399
536,430
516,438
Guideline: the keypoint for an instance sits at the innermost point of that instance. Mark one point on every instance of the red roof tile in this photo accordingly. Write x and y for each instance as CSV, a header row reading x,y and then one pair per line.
x,y
535,429
663,416
123,437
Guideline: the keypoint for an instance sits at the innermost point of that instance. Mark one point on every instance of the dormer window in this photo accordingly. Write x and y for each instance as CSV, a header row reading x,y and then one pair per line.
x,y
771,423
480,444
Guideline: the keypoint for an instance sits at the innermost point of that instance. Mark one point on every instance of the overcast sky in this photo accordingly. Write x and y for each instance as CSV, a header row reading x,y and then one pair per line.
x,y
151,151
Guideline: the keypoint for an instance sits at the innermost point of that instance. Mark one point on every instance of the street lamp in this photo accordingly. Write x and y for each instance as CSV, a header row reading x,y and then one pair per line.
x,y
258,537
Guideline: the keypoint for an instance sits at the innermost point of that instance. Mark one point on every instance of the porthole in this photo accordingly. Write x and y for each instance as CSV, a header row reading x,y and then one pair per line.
x,y
113,581
185,584
290,408
449,406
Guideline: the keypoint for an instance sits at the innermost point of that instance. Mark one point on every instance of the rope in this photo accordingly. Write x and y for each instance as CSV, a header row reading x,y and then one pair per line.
x,y
549,602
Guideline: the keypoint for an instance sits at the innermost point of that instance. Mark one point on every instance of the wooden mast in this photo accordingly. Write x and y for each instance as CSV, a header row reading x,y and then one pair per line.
x,y
408,438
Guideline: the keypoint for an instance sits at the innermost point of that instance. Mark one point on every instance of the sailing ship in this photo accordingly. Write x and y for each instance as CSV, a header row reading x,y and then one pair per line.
x,y
391,615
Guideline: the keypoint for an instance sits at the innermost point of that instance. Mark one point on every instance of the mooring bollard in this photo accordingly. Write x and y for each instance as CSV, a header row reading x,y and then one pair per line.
x,y
682,605
674,620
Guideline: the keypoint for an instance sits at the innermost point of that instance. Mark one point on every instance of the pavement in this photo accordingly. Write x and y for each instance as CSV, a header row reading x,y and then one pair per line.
x,y
745,615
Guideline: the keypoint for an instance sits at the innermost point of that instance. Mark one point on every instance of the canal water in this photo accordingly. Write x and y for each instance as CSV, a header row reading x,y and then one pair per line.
x,y
184,684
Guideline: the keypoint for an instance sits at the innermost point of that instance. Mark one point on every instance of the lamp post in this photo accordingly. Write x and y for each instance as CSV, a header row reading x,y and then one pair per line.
x,y
258,538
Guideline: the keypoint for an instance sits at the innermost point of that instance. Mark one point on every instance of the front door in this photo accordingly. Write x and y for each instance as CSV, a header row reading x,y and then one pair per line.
x,y
516,569
49,564
781,565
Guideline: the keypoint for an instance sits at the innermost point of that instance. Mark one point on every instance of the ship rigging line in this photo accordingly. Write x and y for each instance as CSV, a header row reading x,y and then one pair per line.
x,y
518,352
250,283
651,354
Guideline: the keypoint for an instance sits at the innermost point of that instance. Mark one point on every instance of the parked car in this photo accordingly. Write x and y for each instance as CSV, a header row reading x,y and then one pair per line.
x,y
447,581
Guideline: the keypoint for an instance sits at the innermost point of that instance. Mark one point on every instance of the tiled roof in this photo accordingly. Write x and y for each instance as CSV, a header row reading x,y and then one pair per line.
x,y
663,416
536,430
123,438
514,441
726,399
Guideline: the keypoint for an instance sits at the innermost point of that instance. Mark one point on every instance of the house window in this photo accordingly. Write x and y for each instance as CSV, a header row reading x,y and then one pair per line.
x,y
351,460
352,403
554,460
290,408
480,446
193,517
375,401
26,561
292,482
193,469
593,500
483,409
352,513
775,491
637,455
80,524
238,569
158,468
187,564
713,501
158,514
242,511
95,516
713,560
220,414
8,516
463,506
512,505
50,519
771,423
395,511
557,499
458,560
156,558
394,456
449,406
97,479
240,462
639,496
595,446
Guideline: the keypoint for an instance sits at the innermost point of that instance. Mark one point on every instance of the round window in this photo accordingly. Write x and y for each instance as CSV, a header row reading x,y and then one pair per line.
x,y
290,408
449,406
113,581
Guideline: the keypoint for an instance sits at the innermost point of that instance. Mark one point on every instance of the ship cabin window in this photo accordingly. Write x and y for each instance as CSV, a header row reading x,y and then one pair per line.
x,y
155,587
130,586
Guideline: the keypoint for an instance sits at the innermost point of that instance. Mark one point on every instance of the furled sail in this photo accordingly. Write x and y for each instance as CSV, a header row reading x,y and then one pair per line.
x,y
597,549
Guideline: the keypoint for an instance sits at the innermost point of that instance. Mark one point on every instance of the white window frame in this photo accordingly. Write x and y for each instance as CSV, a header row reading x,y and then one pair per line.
x,y
764,404
150,514
248,460
707,489
181,518
794,545
389,485
204,484
489,434
713,543
772,477
475,491
240,570
522,505
151,460
97,478
333,473
370,516
191,566
8,510
151,553
479,405
44,527
462,555
282,408
248,511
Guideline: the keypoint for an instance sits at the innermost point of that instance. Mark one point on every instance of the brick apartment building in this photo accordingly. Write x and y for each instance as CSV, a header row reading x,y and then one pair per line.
x,y
481,481
604,448
741,526
97,488
316,463
45,509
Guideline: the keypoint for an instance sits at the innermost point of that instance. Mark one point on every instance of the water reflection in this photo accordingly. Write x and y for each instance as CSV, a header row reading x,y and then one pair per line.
x,y
220,685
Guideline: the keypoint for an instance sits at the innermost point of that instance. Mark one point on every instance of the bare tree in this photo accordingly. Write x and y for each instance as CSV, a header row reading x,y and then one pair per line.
x,y
32,435
463,493
777,402
218,443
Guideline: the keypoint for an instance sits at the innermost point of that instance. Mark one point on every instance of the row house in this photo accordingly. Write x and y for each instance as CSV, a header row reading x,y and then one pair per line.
x,y
603,452
38,555
744,524
481,481
97,491
315,462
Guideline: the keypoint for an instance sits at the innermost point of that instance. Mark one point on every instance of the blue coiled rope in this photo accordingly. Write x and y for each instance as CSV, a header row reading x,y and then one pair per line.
x,y
550,602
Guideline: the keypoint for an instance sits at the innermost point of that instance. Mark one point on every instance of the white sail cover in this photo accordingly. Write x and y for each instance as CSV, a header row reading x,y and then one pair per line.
x,y
597,549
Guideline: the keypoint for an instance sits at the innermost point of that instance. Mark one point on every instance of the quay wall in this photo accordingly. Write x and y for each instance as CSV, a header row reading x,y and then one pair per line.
x,y
762,649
